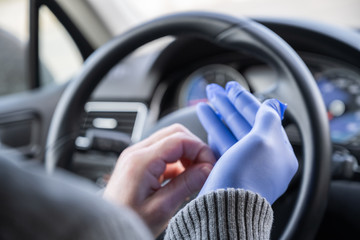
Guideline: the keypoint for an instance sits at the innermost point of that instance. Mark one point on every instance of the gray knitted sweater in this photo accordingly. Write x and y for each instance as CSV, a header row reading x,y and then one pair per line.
x,y
223,214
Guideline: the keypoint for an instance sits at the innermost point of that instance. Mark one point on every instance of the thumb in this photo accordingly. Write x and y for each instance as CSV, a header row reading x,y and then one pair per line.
x,y
173,194
269,116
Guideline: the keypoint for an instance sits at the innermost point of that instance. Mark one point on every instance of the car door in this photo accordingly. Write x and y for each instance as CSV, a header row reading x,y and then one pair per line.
x,y
38,56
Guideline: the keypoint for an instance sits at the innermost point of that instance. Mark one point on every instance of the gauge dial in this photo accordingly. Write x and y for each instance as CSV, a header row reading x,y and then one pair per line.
x,y
340,89
193,90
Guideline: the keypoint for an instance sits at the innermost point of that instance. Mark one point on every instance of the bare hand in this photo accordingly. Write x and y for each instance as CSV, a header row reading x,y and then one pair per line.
x,y
171,153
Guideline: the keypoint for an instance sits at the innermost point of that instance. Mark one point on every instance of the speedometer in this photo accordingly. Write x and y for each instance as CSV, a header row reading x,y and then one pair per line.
x,y
193,90
340,89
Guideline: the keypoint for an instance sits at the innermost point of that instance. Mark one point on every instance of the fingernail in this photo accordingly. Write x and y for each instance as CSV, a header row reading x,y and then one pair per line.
x,y
213,89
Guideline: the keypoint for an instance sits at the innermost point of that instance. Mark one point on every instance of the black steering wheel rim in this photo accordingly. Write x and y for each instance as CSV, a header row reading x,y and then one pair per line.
x,y
238,34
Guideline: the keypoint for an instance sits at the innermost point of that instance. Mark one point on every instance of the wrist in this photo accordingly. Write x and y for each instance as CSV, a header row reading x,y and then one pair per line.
x,y
232,212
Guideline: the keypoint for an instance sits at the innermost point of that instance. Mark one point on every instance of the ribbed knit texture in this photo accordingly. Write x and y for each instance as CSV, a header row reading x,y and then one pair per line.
x,y
223,214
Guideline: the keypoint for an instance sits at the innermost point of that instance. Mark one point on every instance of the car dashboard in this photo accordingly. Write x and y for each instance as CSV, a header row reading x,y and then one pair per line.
x,y
174,76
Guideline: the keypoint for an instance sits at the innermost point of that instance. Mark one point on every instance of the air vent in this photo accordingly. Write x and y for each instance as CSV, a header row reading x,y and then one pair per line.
x,y
124,117
119,121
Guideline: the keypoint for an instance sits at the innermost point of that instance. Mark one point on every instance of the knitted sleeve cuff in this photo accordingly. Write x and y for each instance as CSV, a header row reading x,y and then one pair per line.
x,y
223,214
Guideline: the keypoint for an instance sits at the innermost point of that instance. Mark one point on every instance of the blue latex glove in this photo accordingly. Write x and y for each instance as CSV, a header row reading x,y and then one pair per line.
x,y
256,153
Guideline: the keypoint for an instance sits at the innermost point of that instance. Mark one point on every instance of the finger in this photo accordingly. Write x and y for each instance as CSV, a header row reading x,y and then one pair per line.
x,y
221,136
244,101
173,194
162,133
269,117
174,147
235,121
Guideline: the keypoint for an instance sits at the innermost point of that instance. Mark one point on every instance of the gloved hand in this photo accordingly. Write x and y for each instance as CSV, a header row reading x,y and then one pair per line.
x,y
255,152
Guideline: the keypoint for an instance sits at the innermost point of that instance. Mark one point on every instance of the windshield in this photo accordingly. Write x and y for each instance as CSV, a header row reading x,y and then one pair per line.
x,y
120,15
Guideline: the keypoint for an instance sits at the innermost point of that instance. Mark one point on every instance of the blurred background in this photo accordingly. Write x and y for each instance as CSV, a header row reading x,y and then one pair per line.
x,y
63,60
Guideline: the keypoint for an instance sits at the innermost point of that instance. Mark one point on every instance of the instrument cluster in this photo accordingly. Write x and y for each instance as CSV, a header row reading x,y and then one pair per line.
x,y
338,83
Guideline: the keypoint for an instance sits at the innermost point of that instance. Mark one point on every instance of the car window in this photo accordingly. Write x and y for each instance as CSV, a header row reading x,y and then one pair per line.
x,y
121,15
13,37
58,53
59,56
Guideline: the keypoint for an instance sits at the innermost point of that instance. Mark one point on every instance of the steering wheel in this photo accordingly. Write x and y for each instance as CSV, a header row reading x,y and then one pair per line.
x,y
295,86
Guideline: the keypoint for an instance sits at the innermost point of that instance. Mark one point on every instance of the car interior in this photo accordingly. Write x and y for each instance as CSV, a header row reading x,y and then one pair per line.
x,y
79,87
